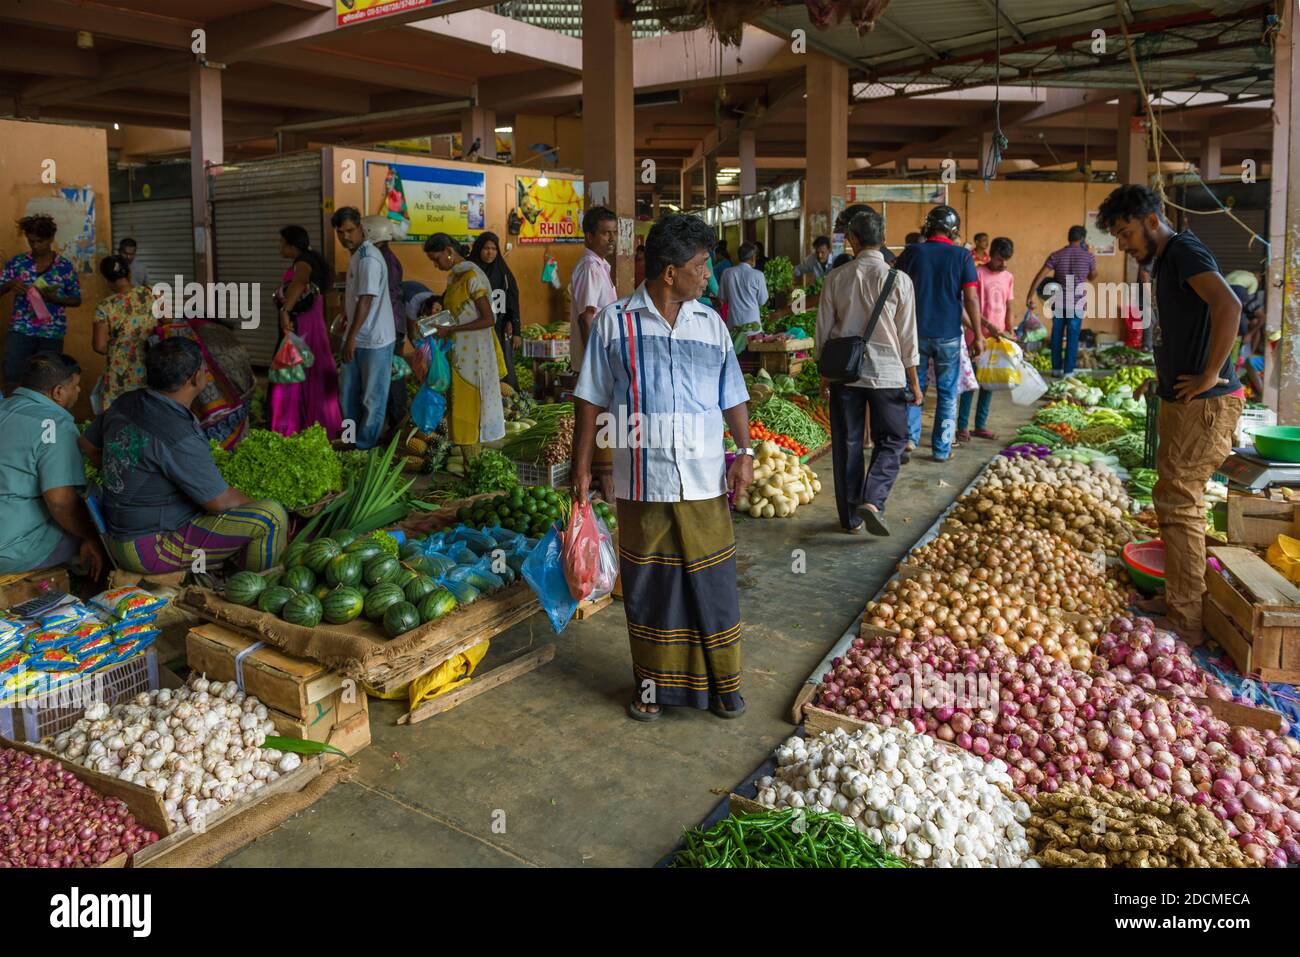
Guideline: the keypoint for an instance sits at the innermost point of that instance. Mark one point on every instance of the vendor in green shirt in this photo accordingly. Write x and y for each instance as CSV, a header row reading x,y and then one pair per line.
x,y
41,473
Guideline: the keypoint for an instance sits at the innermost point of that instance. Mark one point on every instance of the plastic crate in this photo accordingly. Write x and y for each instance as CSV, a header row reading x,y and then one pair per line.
x,y
31,720
551,476
546,348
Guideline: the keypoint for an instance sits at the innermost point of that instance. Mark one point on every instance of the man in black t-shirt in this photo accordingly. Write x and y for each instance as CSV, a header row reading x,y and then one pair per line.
x,y
1196,316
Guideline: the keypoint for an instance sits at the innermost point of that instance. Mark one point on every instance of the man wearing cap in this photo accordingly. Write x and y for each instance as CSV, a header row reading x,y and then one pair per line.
x,y
947,297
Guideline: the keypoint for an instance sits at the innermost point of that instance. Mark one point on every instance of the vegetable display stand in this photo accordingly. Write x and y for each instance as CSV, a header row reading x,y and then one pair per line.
x,y
519,665
24,586
546,348
304,699
42,715
1256,520
1254,613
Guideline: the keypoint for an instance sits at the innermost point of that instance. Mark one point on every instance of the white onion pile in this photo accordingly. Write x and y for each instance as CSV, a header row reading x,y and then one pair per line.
x,y
935,806
200,747
1053,725
51,818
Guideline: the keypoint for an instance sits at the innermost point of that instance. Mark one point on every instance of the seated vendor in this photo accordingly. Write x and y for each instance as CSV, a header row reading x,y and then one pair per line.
x,y
45,522
164,498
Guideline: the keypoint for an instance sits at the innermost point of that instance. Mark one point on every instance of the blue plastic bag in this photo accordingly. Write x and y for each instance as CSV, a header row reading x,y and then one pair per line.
x,y
439,376
543,569
428,409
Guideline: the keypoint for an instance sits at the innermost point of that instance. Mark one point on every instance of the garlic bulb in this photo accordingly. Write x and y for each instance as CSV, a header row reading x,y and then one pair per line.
x,y
288,763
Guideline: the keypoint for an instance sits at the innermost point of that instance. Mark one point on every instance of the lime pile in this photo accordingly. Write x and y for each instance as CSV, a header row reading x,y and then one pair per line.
x,y
526,510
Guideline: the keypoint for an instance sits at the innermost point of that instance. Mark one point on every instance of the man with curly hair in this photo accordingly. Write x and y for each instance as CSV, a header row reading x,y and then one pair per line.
x,y
44,285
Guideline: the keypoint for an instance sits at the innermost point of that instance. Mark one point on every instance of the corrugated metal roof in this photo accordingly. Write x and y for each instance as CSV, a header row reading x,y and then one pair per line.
x,y
1177,44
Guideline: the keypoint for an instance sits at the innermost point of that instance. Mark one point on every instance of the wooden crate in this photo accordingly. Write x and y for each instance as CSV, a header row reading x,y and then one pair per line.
x,y
1256,521
24,586
780,363
589,608
1254,613
786,345
292,686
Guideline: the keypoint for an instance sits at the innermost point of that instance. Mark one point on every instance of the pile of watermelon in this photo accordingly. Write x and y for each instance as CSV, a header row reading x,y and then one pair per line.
x,y
339,579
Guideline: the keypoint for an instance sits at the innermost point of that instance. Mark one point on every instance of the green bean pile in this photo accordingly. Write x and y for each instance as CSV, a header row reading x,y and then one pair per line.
x,y
792,837
787,418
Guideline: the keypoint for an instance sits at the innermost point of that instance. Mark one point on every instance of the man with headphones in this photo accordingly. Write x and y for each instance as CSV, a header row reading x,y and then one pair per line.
x,y
947,297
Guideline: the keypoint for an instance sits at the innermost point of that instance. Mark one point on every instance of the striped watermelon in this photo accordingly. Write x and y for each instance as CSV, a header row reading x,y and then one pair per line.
x,y
343,569
380,598
302,610
418,588
299,578
342,604
319,553
293,554
400,617
436,604
344,538
274,598
366,548
243,588
383,568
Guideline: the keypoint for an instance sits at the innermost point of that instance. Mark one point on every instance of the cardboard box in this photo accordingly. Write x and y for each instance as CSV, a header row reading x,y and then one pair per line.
x,y
342,719
18,588
295,687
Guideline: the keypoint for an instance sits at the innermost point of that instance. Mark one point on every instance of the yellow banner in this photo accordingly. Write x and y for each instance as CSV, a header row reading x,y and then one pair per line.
x,y
358,11
550,213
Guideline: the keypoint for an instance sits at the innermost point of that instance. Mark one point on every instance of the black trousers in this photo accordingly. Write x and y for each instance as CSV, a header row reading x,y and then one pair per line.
x,y
508,350
857,483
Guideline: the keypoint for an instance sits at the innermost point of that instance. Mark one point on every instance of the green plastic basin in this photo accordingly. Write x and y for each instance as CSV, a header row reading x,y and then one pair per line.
x,y
1278,443
1145,562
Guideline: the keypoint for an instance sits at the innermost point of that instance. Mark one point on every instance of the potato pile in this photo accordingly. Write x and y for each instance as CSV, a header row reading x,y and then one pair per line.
x,y
1089,521
1107,828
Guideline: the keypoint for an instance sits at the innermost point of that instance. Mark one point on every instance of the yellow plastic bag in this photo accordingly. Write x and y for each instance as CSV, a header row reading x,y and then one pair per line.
x,y
997,368
448,676
1284,555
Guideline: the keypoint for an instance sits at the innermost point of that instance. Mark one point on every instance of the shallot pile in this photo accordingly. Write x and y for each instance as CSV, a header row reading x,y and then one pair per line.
x,y
200,747
1053,725
50,818
918,799
1153,660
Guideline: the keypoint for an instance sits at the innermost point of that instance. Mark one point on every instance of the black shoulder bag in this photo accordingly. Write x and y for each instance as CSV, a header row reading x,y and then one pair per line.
x,y
841,359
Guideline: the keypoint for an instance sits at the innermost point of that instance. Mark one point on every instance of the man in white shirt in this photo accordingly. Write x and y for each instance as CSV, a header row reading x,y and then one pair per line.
x,y
369,335
592,289
744,289
887,382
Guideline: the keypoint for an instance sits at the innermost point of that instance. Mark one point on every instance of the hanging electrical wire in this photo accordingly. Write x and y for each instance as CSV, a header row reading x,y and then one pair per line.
x,y
1000,142
1158,134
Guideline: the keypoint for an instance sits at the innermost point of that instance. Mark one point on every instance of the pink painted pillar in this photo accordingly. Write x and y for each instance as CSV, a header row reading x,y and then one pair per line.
x,y
207,149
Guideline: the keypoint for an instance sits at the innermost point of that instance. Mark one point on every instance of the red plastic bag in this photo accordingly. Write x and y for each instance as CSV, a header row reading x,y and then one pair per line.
x,y
587,549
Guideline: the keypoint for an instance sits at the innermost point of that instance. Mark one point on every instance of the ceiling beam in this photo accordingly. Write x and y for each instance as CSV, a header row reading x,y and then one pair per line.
x,y
996,11
102,20
886,21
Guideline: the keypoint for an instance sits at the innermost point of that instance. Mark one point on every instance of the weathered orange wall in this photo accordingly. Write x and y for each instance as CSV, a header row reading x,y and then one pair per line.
x,y
537,302
80,155
1035,216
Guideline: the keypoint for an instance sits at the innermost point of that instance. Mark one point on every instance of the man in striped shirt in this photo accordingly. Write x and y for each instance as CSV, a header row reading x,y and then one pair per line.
x,y
658,382
1073,267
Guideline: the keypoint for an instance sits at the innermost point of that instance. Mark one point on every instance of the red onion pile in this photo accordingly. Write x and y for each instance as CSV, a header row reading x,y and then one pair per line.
x,y
50,818
1153,660
1052,725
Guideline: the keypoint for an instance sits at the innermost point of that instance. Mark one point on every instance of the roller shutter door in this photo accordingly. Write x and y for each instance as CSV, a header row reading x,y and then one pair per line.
x,y
1230,243
250,205
163,231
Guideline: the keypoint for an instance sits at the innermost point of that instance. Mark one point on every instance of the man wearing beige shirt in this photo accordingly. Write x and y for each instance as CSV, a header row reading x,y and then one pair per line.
x,y
887,383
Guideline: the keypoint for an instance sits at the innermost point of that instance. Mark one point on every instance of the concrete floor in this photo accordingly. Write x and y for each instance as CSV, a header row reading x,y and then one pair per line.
x,y
548,770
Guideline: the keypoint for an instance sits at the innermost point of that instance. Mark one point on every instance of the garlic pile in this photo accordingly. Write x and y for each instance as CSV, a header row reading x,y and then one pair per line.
x,y
200,747
935,806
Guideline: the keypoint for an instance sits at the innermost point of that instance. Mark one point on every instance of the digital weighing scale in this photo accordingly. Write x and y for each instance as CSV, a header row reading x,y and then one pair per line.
x,y
1246,469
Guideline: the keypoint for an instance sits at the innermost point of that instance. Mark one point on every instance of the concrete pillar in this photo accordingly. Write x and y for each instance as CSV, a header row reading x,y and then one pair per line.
x,y
607,107
655,198
827,113
1211,157
986,151
710,180
748,162
1282,367
478,123
687,187
207,149
1131,137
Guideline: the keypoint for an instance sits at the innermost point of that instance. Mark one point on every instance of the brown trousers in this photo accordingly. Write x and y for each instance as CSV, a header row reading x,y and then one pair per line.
x,y
1195,438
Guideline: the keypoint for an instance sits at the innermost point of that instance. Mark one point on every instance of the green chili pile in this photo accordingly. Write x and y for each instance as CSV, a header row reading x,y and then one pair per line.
x,y
792,837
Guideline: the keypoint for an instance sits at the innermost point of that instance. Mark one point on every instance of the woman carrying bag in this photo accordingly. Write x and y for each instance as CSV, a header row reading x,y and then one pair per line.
x,y
299,405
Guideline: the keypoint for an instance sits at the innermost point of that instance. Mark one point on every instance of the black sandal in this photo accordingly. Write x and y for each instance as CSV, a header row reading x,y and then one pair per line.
x,y
637,714
715,705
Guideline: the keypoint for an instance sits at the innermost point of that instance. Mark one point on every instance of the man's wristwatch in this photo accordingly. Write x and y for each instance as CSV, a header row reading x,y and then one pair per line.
x,y
749,451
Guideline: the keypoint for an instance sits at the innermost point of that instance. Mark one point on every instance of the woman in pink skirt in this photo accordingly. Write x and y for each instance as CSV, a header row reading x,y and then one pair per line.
x,y
299,405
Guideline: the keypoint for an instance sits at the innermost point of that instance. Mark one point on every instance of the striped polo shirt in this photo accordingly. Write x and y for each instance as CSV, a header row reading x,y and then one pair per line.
x,y
663,388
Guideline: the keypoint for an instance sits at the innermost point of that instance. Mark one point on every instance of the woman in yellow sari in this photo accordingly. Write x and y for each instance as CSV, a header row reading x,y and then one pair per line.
x,y
477,365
